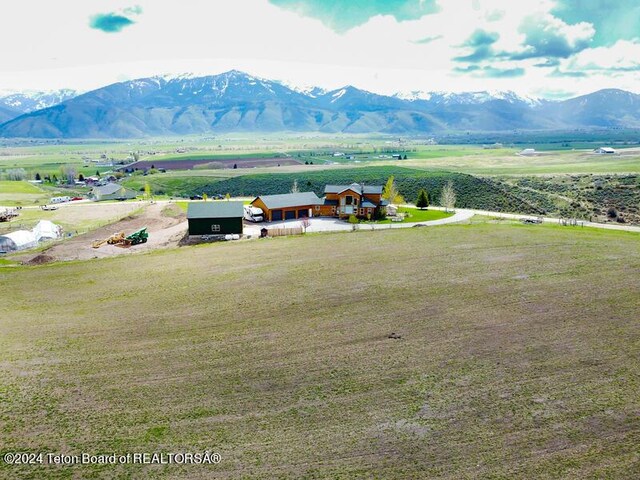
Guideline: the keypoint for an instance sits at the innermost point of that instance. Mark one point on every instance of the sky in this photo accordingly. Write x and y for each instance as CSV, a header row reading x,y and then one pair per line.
x,y
540,48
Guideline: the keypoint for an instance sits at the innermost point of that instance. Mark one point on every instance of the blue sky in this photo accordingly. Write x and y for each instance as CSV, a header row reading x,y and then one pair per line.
x,y
548,48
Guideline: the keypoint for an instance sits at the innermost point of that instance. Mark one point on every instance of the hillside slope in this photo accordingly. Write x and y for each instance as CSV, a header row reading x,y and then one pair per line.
x,y
511,361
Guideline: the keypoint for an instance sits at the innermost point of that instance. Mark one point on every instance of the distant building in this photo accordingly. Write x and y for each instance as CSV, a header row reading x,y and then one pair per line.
x,y
605,150
111,191
494,146
528,152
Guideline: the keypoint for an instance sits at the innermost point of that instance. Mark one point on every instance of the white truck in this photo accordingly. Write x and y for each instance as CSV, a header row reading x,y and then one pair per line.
x,y
253,214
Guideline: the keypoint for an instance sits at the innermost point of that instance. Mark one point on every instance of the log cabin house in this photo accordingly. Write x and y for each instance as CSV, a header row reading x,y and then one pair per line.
x,y
341,201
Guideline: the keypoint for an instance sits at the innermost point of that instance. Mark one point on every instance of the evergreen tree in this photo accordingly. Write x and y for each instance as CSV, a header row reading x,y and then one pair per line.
x,y
38,176
423,199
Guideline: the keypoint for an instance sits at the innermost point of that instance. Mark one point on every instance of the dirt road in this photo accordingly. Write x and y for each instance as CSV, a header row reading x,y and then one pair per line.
x,y
165,223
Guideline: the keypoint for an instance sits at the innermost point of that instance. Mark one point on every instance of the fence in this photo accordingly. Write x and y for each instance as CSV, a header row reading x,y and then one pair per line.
x,y
281,231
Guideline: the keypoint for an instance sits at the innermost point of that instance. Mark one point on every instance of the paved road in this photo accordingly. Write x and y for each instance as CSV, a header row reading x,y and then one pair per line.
x,y
461,215
333,225
515,216
323,224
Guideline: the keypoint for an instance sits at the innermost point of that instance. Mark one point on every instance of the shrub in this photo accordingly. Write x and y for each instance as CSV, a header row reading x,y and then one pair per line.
x,y
353,219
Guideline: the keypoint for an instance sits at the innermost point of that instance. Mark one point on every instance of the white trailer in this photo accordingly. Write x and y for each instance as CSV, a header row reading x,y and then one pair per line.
x,y
253,214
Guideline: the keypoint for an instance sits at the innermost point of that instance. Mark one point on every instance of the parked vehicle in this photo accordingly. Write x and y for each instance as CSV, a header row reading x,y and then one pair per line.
x,y
195,197
60,199
253,214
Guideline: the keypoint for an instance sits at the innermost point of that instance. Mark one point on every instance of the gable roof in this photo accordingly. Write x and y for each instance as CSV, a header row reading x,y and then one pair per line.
x,y
368,189
215,209
288,200
108,189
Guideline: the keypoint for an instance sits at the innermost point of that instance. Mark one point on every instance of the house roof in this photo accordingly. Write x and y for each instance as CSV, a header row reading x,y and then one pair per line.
x,y
288,200
368,189
108,189
215,209
368,204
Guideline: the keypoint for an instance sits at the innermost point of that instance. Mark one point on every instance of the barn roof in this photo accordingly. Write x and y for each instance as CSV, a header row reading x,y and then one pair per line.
x,y
108,189
368,189
215,209
288,200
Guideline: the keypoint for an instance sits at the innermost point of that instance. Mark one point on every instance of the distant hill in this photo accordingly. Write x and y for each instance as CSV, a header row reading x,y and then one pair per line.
x,y
236,101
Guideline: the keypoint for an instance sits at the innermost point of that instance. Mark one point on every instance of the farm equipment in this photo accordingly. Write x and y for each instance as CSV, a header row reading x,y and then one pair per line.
x,y
137,237
119,239
7,215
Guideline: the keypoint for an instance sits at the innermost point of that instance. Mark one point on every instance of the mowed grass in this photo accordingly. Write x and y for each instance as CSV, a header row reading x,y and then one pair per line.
x,y
518,356
413,215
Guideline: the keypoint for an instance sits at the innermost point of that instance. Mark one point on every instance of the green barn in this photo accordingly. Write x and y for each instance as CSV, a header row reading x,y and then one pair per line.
x,y
215,218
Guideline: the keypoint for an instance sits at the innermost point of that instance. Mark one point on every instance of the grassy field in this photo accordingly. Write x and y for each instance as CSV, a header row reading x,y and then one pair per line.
x,y
413,215
517,356
14,193
558,158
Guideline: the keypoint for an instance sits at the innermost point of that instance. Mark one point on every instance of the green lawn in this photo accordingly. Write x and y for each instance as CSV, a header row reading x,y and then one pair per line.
x,y
517,356
16,193
19,187
413,215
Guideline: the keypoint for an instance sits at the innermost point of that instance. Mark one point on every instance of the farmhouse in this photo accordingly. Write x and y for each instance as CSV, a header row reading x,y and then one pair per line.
x,y
605,151
111,191
215,218
342,201
528,152
363,201
288,206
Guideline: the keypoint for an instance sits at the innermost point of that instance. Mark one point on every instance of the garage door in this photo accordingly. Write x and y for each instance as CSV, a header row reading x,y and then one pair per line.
x,y
303,213
290,215
276,215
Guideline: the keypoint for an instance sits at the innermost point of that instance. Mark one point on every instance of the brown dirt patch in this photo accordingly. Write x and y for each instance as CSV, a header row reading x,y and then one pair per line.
x,y
39,260
213,162
164,231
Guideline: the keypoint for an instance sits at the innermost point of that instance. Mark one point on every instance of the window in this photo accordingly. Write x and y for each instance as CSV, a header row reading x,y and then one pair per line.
x,y
362,211
349,200
215,228
333,209
317,208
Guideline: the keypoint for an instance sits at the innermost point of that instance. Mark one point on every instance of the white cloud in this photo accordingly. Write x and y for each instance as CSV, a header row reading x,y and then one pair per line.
x,y
623,55
52,45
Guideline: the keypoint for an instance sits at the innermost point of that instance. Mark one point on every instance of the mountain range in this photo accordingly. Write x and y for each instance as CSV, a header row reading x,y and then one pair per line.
x,y
18,103
237,102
